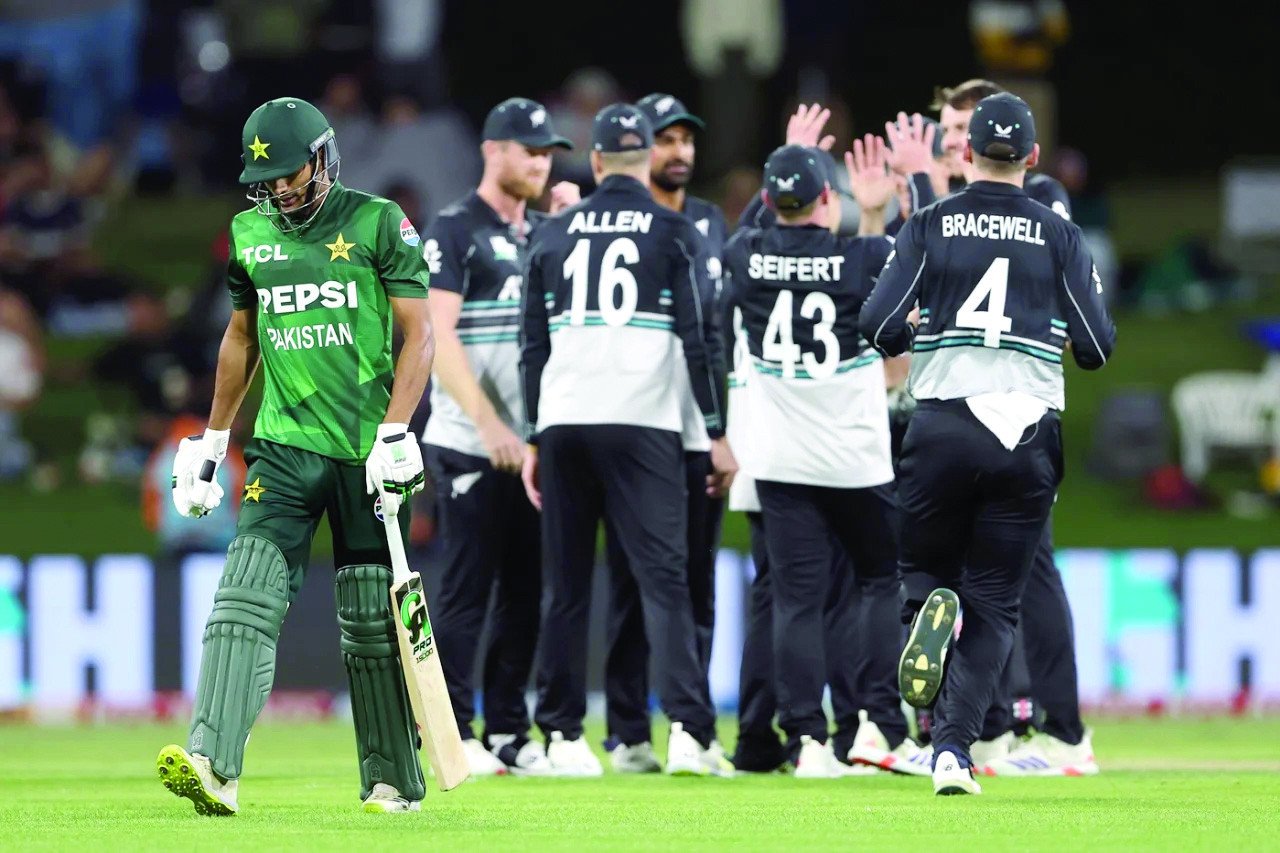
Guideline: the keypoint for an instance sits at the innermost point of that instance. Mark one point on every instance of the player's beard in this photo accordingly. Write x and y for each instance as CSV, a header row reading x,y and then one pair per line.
x,y
671,183
525,189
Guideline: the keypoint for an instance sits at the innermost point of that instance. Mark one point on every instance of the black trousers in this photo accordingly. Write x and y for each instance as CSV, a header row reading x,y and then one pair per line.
x,y
846,665
632,477
1047,671
626,666
973,514
806,527
490,550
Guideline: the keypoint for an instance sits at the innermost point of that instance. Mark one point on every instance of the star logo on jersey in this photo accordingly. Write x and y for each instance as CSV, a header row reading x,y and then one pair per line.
x,y
629,122
253,491
703,225
503,249
259,148
433,256
537,117
339,248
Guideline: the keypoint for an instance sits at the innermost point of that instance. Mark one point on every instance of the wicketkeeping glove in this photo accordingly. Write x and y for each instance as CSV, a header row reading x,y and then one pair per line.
x,y
195,472
394,466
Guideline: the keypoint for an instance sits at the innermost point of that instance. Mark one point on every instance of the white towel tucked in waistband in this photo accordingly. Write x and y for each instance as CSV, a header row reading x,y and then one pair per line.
x,y
1007,414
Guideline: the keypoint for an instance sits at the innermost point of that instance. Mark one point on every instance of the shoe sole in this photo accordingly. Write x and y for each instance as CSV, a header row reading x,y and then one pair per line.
x,y
1051,772
890,762
955,789
921,667
174,767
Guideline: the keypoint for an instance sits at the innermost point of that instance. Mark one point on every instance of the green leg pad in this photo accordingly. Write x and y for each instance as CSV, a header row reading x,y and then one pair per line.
x,y
239,659
386,736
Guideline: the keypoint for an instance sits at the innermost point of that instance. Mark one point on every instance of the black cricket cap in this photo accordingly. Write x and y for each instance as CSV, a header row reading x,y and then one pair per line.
x,y
524,121
794,177
1003,119
664,110
621,127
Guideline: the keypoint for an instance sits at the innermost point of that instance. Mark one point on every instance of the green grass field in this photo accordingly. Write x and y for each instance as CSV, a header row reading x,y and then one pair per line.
x,y
1204,784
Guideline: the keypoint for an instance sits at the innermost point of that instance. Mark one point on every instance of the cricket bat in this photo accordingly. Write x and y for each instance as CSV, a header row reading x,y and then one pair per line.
x,y
423,676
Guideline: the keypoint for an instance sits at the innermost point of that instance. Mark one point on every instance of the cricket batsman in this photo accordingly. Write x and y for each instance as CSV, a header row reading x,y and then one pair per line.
x,y
316,272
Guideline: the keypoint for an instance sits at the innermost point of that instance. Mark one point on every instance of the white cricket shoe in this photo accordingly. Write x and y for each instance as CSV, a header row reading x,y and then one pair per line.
x,y
871,748
716,762
950,778
983,752
191,775
1046,755
684,754
817,760
639,758
529,760
480,761
384,799
572,757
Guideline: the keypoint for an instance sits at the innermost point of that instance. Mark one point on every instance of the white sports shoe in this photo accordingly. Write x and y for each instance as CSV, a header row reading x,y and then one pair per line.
x,y
871,747
529,760
481,761
983,752
950,778
1045,755
817,760
572,757
191,776
384,799
684,754
716,762
639,758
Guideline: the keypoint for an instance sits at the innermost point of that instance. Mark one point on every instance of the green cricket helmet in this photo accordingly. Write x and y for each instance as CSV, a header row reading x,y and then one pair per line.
x,y
279,138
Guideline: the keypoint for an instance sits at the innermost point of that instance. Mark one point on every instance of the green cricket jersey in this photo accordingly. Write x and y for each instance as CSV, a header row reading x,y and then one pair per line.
x,y
324,317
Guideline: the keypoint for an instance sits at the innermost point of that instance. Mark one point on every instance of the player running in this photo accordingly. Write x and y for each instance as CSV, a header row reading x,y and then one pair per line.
x,y
626,672
316,272
1043,663
819,449
474,440
982,457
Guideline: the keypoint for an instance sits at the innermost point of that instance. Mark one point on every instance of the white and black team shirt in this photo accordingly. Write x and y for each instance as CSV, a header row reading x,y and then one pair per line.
x,y
815,393
1003,283
611,298
470,250
709,222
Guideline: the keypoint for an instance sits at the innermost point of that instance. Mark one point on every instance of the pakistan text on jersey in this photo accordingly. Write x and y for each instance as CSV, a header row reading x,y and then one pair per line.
x,y
291,298
315,336
992,227
610,222
788,268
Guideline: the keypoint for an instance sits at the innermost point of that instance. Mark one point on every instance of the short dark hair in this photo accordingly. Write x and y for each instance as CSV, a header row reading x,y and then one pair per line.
x,y
964,96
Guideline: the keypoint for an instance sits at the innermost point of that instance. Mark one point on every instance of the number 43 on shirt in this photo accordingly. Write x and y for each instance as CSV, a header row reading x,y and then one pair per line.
x,y
779,338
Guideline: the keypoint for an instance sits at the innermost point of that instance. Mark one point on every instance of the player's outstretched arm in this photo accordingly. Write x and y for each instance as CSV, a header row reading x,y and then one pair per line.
x,y
413,367
885,319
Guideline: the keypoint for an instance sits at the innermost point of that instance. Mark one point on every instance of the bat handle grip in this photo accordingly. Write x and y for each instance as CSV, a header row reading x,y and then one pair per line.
x,y
395,545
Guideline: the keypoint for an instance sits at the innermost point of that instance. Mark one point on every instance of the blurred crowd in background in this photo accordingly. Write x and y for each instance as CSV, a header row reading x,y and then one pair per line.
x,y
108,103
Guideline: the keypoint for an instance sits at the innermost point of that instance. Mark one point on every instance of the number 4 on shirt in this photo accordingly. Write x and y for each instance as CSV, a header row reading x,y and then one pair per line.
x,y
992,289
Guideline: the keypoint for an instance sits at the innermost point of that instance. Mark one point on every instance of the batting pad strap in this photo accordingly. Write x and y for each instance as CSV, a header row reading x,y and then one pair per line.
x,y
386,735
254,589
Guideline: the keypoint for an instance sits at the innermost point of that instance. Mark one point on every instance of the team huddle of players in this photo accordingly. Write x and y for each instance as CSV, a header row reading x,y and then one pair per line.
x,y
624,360
605,335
